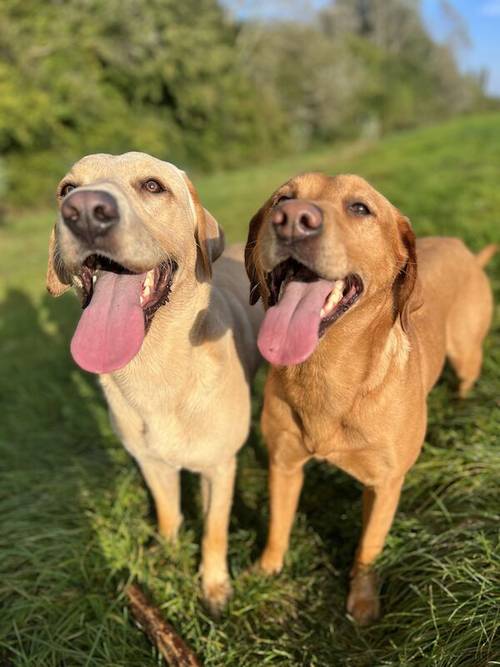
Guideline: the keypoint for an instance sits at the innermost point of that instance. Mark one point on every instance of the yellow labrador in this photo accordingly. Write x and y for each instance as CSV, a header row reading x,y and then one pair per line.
x,y
175,350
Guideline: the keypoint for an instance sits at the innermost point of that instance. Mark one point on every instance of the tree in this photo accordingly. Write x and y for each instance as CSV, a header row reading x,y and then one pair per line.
x,y
186,82
92,75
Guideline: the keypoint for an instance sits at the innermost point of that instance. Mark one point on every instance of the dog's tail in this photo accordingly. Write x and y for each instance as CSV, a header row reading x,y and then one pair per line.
x,y
484,255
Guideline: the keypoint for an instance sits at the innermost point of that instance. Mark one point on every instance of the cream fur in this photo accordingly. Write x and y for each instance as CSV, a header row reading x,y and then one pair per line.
x,y
184,401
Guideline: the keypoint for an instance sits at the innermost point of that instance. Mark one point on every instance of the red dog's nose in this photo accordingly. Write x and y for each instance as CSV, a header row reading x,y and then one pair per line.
x,y
296,220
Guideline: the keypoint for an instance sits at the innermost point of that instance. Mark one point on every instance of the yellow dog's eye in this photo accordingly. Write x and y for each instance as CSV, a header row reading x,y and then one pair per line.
x,y
66,189
153,186
358,208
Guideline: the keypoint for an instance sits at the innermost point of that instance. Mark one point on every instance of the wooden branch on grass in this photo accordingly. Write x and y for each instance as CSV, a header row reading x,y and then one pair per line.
x,y
172,647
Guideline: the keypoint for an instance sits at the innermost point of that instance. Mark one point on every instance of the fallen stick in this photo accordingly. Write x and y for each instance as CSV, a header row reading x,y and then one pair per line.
x,y
175,651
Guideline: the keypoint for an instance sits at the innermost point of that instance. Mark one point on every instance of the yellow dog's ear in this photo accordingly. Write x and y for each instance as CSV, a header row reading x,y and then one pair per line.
x,y
406,294
57,281
209,234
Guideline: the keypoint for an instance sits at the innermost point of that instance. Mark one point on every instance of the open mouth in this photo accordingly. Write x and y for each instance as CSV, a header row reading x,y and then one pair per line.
x,y
156,287
302,306
343,294
118,307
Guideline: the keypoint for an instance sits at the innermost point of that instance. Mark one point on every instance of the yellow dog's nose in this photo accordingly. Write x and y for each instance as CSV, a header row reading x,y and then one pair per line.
x,y
90,213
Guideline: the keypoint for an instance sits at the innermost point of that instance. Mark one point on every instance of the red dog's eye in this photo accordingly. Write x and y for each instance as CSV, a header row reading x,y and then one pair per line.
x,y
358,208
153,186
281,199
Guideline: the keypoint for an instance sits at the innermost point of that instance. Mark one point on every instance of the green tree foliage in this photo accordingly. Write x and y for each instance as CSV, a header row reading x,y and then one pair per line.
x,y
94,75
361,66
184,81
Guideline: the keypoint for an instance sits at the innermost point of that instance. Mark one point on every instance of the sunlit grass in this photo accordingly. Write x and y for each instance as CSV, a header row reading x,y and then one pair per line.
x,y
76,519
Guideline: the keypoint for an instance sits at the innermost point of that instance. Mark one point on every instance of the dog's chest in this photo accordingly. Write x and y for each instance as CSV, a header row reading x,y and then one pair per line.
x,y
336,418
179,428
369,439
172,431
325,436
354,447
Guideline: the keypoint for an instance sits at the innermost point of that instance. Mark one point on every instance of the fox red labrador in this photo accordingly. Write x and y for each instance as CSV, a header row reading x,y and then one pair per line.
x,y
359,319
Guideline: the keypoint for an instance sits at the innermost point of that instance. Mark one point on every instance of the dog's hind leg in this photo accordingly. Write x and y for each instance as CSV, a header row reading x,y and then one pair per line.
x,y
467,325
467,369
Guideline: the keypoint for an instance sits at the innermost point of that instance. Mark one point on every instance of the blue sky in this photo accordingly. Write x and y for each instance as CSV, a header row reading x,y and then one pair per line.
x,y
481,17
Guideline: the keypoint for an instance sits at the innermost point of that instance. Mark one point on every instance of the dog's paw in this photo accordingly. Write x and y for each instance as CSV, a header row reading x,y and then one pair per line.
x,y
216,596
270,563
363,602
363,610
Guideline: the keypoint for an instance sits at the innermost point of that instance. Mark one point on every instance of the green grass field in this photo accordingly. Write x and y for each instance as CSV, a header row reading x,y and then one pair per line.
x,y
76,519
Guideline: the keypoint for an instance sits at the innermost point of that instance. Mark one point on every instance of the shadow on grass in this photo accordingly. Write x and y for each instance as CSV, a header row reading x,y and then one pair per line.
x,y
53,458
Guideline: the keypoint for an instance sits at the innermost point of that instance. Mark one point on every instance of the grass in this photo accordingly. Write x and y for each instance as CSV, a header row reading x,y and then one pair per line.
x,y
76,519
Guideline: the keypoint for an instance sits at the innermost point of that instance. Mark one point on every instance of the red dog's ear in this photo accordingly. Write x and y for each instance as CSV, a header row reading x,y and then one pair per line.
x,y
250,255
407,277
57,282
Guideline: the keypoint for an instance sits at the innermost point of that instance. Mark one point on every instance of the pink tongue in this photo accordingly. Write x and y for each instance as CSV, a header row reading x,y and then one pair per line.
x,y
111,329
289,332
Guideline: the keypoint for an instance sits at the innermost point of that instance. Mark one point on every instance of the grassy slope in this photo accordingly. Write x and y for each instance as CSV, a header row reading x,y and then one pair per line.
x,y
75,513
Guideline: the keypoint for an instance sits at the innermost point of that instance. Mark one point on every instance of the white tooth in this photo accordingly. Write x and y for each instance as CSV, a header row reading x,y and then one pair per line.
x,y
148,284
333,298
336,294
94,278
